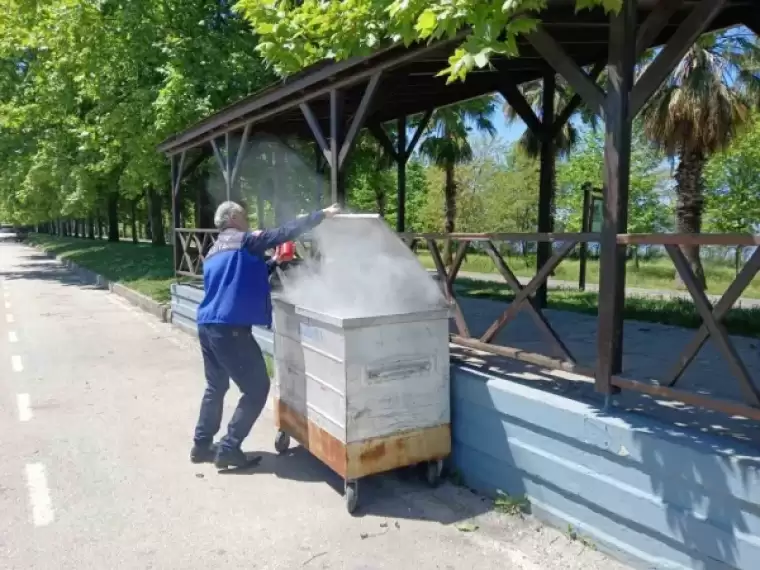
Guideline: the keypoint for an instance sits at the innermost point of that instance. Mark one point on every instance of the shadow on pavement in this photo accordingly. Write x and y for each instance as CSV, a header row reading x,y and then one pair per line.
x,y
40,267
400,494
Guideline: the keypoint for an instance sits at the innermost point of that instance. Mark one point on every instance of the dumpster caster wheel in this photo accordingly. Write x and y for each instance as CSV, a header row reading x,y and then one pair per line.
x,y
433,471
281,442
352,496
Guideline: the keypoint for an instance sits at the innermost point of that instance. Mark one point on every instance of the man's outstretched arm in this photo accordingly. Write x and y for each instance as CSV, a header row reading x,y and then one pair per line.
x,y
258,242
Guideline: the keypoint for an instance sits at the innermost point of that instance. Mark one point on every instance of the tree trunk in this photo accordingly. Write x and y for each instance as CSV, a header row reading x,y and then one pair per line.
x,y
738,258
65,226
450,197
689,207
91,227
148,230
381,202
156,219
133,219
113,217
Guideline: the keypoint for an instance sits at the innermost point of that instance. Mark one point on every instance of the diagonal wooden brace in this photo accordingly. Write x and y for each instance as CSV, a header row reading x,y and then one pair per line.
x,y
716,330
220,160
423,124
185,255
316,131
719,312
381,136
684,37
527,291
515,99
563,64
538,317
365,106
447,281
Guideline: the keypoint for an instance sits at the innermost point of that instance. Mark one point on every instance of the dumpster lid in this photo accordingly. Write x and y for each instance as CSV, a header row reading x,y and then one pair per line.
x,y
364,270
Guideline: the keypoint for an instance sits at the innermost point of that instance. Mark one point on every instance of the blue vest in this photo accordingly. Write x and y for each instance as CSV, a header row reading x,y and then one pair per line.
x,y
236,274
236,284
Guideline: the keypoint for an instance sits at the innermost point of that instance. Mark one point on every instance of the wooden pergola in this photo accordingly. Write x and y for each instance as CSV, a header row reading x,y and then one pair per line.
x,y
330,103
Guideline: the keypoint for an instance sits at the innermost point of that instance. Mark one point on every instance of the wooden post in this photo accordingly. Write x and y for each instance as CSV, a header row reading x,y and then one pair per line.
x,y
401,159
585,228
617,154
177,169
337,180
546,183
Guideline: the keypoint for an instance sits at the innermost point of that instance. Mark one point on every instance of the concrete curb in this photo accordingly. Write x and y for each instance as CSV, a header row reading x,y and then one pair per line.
x,y
159,310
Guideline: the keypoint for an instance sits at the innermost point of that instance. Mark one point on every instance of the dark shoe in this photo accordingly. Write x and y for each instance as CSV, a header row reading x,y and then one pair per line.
x,y
231,458
203,453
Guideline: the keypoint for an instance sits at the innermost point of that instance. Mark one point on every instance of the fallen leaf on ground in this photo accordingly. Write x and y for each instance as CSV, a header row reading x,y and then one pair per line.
x,y
467,527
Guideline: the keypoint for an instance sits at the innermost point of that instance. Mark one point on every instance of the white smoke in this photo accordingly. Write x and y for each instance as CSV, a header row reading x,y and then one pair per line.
x,y
364,270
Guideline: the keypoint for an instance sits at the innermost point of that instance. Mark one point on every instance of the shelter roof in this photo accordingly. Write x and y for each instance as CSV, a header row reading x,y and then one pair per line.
x,y
409,82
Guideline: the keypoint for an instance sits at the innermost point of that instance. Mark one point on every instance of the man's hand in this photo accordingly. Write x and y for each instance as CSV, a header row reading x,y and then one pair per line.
x,y
333,210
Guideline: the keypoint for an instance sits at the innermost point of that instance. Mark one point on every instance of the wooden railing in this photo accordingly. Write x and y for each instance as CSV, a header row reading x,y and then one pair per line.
x,y
712,323
191,247
193,244
712,316
524,299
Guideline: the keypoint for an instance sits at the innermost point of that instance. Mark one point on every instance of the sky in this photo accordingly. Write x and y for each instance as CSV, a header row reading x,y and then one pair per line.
x,y
508,133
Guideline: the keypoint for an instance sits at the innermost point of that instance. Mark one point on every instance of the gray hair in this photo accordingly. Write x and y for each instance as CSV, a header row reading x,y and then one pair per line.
x,y
225,212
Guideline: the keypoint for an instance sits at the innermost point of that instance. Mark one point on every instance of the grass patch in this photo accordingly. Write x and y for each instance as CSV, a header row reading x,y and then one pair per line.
x,y
678,312
509,505
658,274
142,267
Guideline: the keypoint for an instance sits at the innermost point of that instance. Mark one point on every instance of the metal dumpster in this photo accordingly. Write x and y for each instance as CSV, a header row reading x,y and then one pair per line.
x,y
365,394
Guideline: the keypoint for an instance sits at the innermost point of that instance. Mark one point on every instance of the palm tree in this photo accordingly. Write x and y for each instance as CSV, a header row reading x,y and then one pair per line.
x,y
446,144
697,112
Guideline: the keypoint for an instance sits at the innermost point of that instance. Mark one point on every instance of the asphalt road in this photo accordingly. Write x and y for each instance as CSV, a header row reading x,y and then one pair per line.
x,y
97,405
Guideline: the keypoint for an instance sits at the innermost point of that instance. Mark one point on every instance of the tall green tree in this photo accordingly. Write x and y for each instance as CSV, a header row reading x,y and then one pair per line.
x,y
94,85
447,144
732,187
698,112
648,211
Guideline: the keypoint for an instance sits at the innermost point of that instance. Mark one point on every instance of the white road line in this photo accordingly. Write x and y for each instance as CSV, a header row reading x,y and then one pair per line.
x,y
24,407
9,318
39,494
18,366
12,337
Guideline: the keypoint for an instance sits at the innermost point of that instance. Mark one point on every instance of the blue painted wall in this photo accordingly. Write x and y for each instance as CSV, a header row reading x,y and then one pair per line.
x,y
655,495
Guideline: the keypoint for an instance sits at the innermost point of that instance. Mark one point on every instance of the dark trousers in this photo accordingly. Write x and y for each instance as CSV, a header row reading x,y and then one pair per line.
x,y
230,352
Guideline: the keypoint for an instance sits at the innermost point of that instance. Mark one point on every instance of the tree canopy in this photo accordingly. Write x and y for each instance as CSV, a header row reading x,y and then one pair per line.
x,y
296,34
88,88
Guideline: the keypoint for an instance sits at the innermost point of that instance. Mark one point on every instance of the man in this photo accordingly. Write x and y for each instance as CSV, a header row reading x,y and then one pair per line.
x,y
237,297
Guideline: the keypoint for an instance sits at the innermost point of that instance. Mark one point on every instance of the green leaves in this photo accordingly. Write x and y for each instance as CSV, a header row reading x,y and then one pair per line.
x,y
426,24
95,86
295,35
733,186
